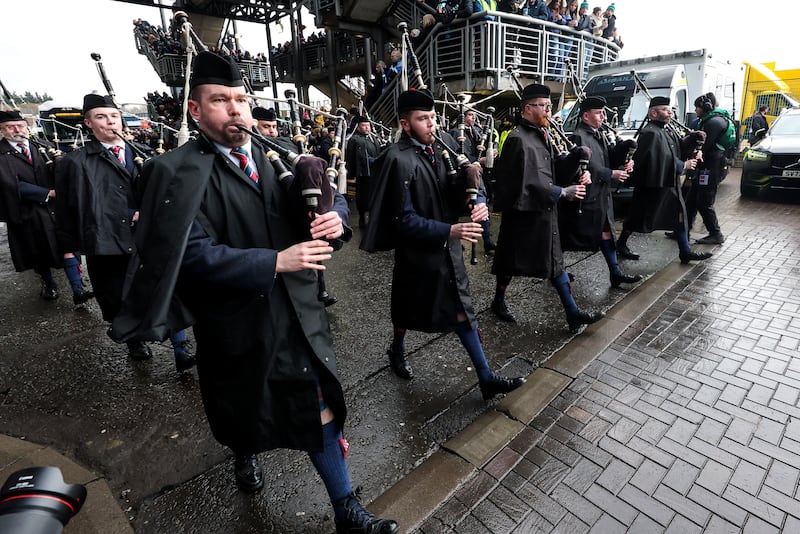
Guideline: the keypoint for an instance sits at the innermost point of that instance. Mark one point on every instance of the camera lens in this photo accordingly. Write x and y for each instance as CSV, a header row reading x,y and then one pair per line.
x,y
38,501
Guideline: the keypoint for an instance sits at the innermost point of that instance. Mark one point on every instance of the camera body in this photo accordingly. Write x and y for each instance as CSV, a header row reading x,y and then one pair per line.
x,y
36,500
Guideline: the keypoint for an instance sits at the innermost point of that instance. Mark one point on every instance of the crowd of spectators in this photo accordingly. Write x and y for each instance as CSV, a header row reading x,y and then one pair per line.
x,y
314,52
169,42
571,13
164,107
160,42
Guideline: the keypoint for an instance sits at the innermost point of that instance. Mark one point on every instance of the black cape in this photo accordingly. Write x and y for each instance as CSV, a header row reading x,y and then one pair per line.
x,y
657,202
529,243
430,286
581,223
261,355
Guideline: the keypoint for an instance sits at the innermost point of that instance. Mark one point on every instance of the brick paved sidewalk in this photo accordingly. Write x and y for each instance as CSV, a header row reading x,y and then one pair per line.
x,y
688,422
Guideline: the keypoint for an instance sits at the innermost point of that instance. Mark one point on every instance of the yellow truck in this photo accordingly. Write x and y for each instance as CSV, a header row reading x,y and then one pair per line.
x,y
766,85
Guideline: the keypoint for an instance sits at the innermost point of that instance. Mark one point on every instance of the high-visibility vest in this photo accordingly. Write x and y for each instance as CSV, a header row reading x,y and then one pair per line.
x,y
486,5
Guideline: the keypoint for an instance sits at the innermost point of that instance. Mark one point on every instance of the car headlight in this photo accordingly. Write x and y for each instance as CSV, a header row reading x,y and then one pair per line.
x,y
756,155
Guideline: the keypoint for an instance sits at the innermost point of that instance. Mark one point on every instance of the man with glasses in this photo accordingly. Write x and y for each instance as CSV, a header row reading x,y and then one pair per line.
x,y
27,199
529,243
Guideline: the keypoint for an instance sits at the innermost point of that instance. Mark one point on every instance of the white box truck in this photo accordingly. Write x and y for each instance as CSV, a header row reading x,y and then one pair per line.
x,y
681,76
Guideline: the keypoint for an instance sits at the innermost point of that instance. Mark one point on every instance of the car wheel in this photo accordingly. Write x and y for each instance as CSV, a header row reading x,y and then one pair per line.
x,y
748,191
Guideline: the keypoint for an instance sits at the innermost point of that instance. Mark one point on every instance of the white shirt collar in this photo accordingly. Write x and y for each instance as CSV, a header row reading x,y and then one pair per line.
x,y
226,150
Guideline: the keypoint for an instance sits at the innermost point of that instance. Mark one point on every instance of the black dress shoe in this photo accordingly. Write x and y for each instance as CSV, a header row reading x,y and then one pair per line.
x,y
498,384
184,360
686,257
624,252
581,318
617,279
138,351
249,476
670,235
48,292
502,312
81,297
359,521
326,299
711,239
400,365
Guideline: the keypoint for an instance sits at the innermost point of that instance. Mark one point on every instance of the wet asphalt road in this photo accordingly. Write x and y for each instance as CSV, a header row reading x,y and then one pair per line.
x,y
65,384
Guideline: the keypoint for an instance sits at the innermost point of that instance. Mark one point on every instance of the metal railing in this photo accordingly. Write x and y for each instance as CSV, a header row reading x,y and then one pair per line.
x,y
410,11
347,49
171,68
534,48
355,85
474,55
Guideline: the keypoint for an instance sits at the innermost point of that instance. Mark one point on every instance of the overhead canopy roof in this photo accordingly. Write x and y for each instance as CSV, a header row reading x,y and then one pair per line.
x,y
261,11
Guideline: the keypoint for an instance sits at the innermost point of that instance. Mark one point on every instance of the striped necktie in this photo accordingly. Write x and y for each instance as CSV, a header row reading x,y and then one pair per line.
x,y
117,150
244,163
25,151
431,154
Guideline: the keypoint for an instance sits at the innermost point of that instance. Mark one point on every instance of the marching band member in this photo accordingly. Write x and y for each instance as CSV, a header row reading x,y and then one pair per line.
x,y
415,210
362,149
266,123
97,213
246,278
27,199
526,194
589,225
657,199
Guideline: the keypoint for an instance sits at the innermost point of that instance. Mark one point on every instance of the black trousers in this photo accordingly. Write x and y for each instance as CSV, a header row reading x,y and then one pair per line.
x,y
363,192
107,274
701,197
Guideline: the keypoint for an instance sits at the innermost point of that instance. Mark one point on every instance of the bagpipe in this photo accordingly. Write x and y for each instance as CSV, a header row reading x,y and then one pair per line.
x,y
305,177
337,167
561,145
49,154
470,179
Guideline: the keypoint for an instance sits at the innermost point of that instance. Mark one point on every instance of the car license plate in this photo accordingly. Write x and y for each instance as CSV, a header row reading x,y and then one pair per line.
x,y
791,174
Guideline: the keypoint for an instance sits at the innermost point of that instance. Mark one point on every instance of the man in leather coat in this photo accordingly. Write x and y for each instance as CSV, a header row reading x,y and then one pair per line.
x,y
657,198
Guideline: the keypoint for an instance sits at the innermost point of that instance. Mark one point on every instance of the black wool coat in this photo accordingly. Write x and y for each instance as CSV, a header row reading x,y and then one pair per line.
x,y
657,202
529,243
430,286
29,217
581,223
360,153
207,244
96,197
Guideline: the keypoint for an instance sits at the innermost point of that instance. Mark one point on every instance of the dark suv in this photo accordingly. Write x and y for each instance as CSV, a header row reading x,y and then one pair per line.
x,y
774,162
